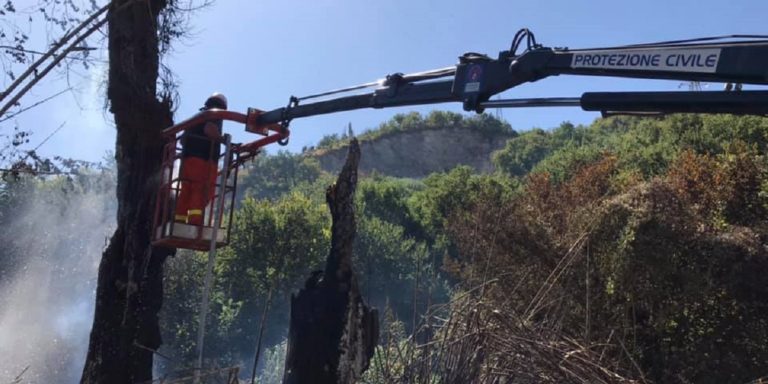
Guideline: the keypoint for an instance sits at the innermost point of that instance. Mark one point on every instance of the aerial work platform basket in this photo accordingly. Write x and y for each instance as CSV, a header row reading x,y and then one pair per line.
x,y
218,194
177,178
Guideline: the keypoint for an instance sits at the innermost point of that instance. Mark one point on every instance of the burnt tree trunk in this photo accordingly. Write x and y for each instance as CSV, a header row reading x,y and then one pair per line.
x,y
333,333
129,291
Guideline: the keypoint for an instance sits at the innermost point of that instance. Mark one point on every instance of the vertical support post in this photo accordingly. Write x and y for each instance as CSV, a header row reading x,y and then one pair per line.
x,y
217,212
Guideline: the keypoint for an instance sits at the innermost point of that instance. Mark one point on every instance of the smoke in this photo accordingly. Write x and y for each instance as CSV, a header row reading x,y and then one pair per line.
x,y
53,238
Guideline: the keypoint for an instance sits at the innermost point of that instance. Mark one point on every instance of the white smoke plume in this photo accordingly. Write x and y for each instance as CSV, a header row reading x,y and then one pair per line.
x,y
54,238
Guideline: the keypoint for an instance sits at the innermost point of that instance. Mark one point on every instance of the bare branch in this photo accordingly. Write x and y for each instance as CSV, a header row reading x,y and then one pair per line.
x,y
32,51
12,115
50,66
191,7
77,49
51,52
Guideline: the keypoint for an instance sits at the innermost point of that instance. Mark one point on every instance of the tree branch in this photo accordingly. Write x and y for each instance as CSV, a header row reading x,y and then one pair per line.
x,y
39,76
74,46
32,51
56,46
12,115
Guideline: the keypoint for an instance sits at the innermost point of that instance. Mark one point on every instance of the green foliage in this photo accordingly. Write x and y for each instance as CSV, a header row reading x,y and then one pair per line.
x,y
392,250
387,198
24,196
183,289
446,195
273,244
271,176
285,235
388,262
388,364
565,161
522,153
647,145
687,268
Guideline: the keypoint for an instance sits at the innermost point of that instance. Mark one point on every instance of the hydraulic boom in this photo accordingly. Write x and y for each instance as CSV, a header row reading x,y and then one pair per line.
x,y
734,60
739,59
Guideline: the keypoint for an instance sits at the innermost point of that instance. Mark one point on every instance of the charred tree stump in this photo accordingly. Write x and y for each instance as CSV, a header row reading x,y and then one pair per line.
x,y
333,333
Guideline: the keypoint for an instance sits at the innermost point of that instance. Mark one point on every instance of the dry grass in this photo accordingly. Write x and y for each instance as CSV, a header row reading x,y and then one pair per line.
x,y
472,339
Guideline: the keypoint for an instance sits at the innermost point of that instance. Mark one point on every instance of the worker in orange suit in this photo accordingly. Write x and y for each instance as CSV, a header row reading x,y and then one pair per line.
x,y
200,152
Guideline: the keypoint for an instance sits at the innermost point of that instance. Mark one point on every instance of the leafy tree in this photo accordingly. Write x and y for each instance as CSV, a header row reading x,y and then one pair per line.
x,y
644,145
21,192
522,153
388,262
447,195
272,176
387,199
178,318
564,162
274,246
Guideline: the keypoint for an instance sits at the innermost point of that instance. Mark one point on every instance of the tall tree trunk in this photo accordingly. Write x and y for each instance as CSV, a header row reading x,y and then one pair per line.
x,y
332,332
129,292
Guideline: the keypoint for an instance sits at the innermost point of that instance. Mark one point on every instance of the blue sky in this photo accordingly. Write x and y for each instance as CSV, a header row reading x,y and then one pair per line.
x,y
261,52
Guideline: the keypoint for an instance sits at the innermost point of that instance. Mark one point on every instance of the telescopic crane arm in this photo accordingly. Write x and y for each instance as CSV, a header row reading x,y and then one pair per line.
x,y
478,77
737,59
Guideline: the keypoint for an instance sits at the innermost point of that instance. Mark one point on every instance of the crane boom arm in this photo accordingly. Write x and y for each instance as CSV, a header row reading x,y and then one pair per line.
x,y
738,62
476,78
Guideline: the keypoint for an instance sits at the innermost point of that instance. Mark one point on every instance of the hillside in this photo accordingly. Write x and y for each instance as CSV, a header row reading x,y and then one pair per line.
x,y
414,147
416,154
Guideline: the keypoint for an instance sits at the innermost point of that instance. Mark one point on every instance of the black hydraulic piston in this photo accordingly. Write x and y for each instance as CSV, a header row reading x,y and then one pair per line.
x,y
737,102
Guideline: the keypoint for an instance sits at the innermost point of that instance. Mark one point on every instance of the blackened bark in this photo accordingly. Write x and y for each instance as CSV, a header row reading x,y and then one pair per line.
x,y
129,291
333,333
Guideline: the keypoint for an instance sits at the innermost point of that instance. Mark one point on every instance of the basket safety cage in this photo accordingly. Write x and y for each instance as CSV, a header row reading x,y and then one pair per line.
x,y
195,194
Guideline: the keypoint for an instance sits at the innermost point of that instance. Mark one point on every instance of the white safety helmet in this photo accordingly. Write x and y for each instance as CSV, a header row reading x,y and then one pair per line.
x,y
216,100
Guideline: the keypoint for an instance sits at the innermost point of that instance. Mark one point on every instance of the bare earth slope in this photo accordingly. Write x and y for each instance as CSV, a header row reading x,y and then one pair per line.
x,y
416,154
